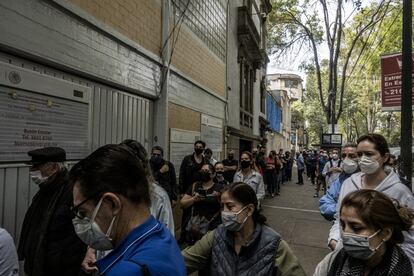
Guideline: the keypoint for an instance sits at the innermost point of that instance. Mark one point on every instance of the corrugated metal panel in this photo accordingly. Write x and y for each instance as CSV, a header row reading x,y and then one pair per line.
x,y
115,116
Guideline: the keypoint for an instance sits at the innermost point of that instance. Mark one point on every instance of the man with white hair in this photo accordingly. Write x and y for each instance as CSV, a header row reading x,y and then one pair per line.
x,y
48,242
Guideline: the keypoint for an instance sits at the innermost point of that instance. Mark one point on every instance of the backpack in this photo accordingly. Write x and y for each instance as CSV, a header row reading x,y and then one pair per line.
x,y
339,163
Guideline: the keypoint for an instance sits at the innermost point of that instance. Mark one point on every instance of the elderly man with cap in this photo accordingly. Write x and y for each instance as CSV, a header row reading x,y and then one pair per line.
x,y
48,242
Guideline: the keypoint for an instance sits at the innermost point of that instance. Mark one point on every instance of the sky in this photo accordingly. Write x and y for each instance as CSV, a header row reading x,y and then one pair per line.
x,y
293,60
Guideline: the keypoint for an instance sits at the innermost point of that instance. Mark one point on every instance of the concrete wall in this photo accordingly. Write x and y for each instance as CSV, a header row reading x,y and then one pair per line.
x,y
50,34
233,67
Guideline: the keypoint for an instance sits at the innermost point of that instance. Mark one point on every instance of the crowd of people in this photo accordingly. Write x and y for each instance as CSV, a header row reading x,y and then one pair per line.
x,y
111,213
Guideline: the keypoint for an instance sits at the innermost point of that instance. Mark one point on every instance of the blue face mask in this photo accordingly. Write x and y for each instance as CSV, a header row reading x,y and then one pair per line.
x,y
357,246
230,220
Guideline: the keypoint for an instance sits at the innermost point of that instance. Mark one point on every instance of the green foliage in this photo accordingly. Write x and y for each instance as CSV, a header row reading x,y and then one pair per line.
x,y
300,23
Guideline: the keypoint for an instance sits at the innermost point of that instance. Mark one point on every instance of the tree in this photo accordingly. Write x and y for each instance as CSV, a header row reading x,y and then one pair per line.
x,y
296,23
362,102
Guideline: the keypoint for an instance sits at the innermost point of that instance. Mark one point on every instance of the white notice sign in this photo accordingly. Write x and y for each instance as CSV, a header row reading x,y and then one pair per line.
x,y
29,120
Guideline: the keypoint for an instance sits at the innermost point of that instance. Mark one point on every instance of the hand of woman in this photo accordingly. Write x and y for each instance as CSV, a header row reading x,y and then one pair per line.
x,y
196,197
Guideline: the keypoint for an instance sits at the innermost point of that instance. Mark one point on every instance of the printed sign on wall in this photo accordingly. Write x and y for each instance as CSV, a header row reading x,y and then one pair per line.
x,y
30,120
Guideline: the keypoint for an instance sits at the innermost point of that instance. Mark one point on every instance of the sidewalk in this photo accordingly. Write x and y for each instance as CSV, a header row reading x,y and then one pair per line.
x,y
295,216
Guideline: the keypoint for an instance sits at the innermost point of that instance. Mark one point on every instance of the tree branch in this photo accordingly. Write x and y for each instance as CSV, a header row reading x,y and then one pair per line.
x,y
372,22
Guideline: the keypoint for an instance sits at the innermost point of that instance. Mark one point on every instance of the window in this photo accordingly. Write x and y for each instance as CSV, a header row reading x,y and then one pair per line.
x,y
207,20
247,79
291,83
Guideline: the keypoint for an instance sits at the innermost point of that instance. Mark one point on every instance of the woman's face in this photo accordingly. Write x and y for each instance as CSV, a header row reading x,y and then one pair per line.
x,y
231,205
206,168
367,148
352,223
244,157
219,168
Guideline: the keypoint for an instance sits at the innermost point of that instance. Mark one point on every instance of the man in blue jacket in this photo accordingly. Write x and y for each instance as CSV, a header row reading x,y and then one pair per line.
x,y
111,200
327,203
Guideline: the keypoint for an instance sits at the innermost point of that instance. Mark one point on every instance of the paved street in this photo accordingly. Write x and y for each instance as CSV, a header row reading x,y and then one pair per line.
x,y
294,214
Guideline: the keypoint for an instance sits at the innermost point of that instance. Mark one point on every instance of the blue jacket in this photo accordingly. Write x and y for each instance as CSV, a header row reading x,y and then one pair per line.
x,y
149,247
300,162
327,203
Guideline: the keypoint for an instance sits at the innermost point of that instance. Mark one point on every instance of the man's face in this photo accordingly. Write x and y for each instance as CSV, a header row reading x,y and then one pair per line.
x,y
198,148
350,152
85,208
263,150
156,153
207,156
230,155
46,169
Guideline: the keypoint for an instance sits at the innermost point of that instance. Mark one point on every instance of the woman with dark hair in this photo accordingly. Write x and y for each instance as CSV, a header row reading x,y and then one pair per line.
x,y
219,178
270,174
242,244
373,155
203,199
372,227
249,174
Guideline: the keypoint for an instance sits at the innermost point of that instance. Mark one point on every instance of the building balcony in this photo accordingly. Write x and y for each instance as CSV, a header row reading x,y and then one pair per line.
x,y
246,119
249,36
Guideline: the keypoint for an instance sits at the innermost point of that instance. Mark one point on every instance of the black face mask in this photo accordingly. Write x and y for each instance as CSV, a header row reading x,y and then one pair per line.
x,y
230,157
245,164
156,160
198,151
205,176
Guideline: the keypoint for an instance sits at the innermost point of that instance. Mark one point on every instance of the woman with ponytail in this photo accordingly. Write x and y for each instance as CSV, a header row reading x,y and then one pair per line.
x,y
373,156
372,229
243,244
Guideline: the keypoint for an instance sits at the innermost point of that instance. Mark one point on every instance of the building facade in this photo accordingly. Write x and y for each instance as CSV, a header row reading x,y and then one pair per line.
x,y
246,70
283,89
81,74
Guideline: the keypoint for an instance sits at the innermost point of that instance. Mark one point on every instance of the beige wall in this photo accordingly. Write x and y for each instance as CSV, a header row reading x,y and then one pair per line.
x,y
194,59
183,118
140,20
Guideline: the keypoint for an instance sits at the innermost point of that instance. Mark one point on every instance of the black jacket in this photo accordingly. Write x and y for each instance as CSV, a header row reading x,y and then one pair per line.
x,y
48,242
189,172
166,180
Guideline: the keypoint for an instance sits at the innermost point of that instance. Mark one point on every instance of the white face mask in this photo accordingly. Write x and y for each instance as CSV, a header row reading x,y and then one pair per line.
x,y
37,177
368,165
91,234
335,156
349,166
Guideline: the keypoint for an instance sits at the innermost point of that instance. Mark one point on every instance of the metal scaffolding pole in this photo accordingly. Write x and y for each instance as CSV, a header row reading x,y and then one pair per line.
x,y
406,97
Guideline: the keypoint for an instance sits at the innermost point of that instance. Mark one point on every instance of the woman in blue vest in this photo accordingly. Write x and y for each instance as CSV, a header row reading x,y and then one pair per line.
x,y
242,244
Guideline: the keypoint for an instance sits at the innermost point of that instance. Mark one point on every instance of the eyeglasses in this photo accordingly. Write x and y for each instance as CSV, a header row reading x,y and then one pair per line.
x,y
75,209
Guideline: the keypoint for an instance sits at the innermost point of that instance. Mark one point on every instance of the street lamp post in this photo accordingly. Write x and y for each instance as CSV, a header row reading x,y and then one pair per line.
x,y
406,97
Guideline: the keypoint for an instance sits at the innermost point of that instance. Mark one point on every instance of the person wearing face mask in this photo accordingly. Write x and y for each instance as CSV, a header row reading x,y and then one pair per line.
x,y
111,198
249,174
163,172
160,207
189,173
320,179
219,178
332,168
372,229
242,244
202,199
327,203
230,166
373,154
48,243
